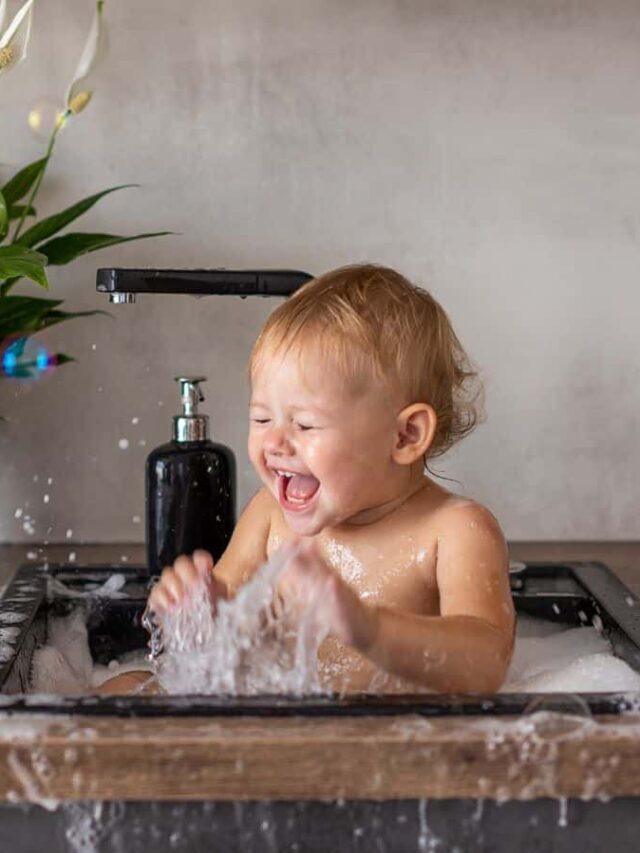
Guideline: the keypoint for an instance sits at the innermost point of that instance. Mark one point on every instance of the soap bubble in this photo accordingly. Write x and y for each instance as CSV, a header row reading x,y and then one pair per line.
x,y
559,713
25,358
559,703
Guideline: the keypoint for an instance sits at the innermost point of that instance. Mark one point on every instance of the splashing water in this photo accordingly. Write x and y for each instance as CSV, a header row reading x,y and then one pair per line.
x,y
250,646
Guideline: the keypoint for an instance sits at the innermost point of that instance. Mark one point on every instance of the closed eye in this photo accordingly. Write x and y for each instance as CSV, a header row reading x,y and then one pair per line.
x,y
304,427
260,420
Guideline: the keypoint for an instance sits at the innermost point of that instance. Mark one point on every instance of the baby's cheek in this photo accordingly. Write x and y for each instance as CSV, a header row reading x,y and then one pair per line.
x,y
254,450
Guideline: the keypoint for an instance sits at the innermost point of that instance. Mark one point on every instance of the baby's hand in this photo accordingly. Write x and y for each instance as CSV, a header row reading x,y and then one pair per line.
x,y
310,583
177,582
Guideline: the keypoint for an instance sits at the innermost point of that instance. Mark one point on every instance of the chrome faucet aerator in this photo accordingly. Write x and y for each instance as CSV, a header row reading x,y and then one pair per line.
x,y
122,298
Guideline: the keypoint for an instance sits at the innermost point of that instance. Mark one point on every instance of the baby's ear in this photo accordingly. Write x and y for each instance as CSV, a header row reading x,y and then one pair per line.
x,y
415,430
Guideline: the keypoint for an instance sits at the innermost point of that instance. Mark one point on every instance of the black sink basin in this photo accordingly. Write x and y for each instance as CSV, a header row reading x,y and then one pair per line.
x,y
573,594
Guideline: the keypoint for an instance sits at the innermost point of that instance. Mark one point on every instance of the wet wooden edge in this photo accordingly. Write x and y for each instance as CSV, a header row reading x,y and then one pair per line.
x,y
369,758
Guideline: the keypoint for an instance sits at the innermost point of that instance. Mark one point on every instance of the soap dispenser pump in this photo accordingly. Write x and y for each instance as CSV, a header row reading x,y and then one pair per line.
x,y
190,487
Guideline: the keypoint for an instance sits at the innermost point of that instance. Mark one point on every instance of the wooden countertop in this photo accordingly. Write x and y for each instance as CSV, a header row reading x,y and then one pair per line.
x,y
545,755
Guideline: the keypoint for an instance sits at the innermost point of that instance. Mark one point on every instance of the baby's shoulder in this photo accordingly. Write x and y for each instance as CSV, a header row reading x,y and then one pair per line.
x,y
450,514
458,512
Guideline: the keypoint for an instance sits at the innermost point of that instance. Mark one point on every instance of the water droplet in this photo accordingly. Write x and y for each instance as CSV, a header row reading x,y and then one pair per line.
x,y
49,481
135,420
69,533
562,813
136,519
46,499
94,347
18,513
72,556
123,443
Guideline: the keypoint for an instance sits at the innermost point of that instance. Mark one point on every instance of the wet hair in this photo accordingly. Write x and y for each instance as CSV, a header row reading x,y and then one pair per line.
x,y
372,322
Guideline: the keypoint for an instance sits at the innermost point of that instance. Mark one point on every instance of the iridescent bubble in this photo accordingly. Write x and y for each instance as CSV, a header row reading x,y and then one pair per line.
x,y
25,358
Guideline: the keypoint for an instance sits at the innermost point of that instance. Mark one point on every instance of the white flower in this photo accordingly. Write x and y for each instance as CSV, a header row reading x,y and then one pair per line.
x,y
81,87
14,41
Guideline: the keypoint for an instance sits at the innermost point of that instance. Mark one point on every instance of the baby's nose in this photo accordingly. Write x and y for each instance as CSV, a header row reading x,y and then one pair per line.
x,y
277,440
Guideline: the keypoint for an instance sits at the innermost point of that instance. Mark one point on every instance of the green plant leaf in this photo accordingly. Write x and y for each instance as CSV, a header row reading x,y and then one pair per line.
x,y
4,218
20,184
54,316
61,358
52,224
24,314
15,211
6,286
17,261
62,250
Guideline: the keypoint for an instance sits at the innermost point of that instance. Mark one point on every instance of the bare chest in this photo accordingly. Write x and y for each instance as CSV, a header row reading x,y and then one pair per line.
x,y
394,571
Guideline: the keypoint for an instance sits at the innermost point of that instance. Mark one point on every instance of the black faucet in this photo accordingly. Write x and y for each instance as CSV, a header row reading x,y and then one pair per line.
x,y
123,284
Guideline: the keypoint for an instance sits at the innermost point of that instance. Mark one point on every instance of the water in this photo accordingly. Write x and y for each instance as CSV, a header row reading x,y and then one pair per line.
x,y
250,646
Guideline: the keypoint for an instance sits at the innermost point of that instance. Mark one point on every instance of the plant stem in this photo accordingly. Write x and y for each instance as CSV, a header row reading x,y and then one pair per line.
x,y
38,181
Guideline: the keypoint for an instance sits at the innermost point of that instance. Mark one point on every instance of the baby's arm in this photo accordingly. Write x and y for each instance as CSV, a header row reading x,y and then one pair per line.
x,y
468,647
246,551
464,650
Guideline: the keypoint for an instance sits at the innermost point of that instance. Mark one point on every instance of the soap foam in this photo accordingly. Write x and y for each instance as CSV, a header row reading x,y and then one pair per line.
x,y
64,665
251,647
550,657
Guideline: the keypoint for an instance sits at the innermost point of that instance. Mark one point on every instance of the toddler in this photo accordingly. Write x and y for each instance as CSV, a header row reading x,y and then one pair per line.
x,y
357,382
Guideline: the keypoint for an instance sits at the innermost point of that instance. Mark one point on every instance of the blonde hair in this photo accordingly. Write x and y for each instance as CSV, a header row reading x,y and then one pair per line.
x,y
369,318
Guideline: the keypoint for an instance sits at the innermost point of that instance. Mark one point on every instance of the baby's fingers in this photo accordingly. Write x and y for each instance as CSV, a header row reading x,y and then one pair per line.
x,y
203,563
160,599
186,572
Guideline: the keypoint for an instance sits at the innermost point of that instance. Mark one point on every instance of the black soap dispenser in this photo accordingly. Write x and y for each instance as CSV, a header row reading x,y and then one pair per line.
x,y
190,487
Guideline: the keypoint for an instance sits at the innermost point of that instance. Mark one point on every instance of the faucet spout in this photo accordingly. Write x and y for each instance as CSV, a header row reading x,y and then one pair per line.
x,y
122,284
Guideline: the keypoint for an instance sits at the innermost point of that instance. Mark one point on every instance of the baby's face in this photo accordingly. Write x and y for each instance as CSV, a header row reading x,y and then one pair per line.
x,y
322,450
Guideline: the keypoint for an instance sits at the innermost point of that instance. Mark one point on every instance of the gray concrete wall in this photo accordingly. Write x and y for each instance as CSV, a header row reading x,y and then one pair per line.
x,y
489,150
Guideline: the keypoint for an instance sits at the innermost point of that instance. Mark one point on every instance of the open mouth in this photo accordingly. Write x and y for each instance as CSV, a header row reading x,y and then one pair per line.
x,y
296,492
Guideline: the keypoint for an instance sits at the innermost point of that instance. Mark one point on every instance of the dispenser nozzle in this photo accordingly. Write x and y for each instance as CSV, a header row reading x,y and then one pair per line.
x,y
190,393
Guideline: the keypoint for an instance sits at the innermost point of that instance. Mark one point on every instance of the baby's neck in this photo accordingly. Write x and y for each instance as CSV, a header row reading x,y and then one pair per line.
x,y
415,482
